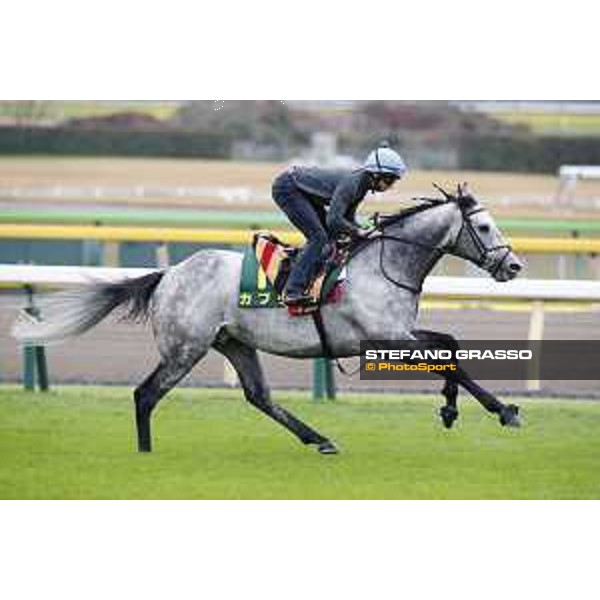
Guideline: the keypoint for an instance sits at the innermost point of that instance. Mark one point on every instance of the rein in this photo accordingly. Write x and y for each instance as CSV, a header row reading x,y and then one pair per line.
x,y
379,234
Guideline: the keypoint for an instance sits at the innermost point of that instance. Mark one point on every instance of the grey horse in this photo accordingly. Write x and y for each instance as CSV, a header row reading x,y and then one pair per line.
x,y
193,306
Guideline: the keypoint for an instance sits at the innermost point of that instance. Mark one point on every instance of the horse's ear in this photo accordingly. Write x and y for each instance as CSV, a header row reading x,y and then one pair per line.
x,y
464,197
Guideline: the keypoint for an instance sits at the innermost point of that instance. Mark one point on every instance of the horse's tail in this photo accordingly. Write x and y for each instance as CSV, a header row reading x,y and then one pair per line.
x,y
72,312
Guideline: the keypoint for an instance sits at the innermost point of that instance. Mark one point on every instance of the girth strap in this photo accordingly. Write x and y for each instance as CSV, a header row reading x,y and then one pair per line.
x,y
318,321
327,353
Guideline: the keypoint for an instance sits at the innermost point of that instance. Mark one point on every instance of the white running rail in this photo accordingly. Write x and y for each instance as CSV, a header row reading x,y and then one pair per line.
x,y
445,287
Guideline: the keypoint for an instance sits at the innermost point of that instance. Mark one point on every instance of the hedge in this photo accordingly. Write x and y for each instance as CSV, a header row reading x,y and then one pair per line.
x,y
541,154
112,142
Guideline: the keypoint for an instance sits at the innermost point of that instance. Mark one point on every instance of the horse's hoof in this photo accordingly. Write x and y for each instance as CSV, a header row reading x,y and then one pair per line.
x,y
449,414
509,417
328,448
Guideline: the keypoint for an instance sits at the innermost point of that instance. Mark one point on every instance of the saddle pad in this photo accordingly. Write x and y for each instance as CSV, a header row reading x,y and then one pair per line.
x,y
256,291
265,268
270,256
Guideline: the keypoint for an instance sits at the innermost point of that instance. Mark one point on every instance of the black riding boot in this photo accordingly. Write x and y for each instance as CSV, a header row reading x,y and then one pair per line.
x,y
308,265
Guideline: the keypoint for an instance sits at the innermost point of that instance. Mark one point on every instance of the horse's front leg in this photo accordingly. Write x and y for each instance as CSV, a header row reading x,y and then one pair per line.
x,y
508,414
449,411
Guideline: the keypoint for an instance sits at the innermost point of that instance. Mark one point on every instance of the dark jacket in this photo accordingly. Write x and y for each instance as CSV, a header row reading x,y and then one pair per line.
x,y
341,190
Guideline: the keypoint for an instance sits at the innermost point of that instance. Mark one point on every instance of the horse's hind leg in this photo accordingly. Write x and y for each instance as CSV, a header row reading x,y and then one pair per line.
x,y
147,395
247,365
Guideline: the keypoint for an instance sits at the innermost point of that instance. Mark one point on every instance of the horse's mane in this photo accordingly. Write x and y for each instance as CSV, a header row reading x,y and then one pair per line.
x,y
382,221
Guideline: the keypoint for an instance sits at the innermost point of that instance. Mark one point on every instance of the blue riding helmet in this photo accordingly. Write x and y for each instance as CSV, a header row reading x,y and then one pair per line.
x,y
385,161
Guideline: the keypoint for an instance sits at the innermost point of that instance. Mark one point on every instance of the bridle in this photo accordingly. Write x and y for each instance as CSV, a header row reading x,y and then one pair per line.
x,y
484,251
379,234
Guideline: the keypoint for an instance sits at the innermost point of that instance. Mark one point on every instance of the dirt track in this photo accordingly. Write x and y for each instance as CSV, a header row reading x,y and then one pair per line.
x,y
117,353
530,194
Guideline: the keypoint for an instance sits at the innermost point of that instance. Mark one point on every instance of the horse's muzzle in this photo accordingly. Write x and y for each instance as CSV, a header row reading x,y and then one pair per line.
x,y
511,266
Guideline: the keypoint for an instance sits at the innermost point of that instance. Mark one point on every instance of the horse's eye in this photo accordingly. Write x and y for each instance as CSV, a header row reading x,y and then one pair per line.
x,y
484,228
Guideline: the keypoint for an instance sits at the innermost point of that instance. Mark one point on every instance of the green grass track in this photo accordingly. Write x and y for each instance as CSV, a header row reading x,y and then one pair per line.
x,y
244,220
78,442
147,217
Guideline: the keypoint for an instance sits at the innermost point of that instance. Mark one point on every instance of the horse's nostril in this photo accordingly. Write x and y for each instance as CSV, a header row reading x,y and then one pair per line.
x,y
515,267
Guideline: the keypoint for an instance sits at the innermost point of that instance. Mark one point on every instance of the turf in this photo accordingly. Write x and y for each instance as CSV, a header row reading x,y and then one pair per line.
x,y
78,442
555,123
56,109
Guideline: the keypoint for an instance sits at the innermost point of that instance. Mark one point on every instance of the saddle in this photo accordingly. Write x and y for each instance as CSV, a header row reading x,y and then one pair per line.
x,y
266,267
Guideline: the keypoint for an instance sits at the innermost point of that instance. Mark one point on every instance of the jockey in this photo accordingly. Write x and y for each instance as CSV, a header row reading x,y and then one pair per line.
x,y
322,203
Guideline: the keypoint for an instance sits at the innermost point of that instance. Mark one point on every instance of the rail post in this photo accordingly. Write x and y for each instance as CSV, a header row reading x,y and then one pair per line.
x,y
579,259
35,367
93,251
535,336
323,379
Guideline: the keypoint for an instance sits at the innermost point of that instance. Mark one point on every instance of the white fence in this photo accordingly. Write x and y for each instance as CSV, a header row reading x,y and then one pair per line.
x,y
569,175
35,275
575,290
227,194
440,287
